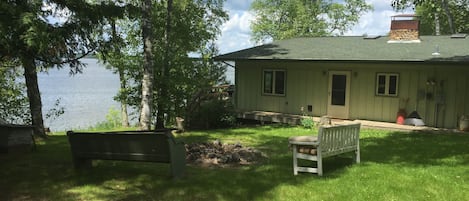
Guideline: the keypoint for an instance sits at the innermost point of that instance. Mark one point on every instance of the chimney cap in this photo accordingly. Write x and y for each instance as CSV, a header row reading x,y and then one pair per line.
x,y
405,15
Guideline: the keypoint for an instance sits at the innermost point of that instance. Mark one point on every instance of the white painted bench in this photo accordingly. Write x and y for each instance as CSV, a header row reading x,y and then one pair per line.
x,y
331,141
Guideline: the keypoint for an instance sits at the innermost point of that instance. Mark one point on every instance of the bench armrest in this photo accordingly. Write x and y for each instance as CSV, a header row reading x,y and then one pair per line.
x,y
313,143
304,140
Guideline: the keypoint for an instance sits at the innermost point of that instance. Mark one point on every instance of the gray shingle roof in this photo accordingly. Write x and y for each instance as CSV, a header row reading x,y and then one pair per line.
x,y
354,48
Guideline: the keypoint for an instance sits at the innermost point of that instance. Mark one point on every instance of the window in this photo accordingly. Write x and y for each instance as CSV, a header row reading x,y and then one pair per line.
x,y
387,84
274,82
339,89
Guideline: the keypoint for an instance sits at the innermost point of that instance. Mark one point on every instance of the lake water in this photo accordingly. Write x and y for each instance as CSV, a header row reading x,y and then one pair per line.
x,y
86,97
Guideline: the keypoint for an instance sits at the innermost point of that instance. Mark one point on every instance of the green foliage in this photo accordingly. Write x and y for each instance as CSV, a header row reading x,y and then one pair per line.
x,y
29,38
194,27
14,106
113,121
113,117
124,57
26,31
283,19
403,4
459,11
213,113
56,111
306,120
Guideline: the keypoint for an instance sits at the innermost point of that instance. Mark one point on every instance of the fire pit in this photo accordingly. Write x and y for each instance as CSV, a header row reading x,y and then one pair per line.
x,y
221,154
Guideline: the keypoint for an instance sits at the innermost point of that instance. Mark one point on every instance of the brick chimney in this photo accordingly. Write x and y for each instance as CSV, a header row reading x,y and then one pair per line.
x,y
404,29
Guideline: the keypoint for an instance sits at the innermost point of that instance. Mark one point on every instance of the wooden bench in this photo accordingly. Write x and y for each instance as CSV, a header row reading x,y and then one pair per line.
x,y
16,138
330,141
146,146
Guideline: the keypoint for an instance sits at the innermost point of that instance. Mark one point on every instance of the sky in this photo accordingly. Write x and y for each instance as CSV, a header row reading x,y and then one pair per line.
x,y
236,32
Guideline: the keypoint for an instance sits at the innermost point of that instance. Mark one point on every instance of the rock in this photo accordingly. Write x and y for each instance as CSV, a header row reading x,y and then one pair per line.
x,y
217,142
221,154
211,155
235,157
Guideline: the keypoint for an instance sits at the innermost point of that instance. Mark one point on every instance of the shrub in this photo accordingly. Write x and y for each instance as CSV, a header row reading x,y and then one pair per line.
x,y
212,114
306,120
14,105
113,120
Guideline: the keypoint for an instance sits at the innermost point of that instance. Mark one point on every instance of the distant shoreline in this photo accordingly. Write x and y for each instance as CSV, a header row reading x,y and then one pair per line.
x,y
91,56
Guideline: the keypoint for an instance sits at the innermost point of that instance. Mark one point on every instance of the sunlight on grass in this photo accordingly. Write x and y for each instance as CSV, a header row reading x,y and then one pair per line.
x,y
395,166
90,192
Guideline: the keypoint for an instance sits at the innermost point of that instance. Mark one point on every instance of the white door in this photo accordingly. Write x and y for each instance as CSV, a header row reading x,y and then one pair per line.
x,y
339,94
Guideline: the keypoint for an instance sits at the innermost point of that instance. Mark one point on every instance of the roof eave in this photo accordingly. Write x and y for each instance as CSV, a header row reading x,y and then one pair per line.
x,y
437,61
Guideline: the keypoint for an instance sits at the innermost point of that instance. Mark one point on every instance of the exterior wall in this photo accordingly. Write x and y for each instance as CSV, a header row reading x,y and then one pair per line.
x,y
439,104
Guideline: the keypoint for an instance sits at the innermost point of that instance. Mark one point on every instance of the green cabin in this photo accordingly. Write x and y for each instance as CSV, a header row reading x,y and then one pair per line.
x,y
350,77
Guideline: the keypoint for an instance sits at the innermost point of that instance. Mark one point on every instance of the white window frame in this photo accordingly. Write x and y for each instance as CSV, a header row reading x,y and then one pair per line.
x,y
274,72
386,84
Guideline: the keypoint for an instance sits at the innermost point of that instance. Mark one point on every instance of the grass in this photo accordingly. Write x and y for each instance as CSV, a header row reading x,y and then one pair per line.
x,y
395,166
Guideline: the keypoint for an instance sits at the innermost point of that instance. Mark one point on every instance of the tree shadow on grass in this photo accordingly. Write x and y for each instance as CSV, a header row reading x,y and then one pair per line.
x,y
417,149
48,174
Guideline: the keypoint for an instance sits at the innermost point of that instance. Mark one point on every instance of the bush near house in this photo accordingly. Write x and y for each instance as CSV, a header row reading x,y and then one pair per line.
x,y
213,113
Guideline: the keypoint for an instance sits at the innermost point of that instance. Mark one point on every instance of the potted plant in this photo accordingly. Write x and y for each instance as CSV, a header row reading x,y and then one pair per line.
x,y
464,123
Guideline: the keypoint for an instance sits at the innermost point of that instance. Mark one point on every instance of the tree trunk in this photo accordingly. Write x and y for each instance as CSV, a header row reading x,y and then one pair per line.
x,y
34,96
437,24
147,80
124,114
163,88
122,80
444,4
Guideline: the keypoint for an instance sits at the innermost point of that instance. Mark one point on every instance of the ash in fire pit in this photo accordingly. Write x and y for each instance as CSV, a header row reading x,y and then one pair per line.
x,y
221,154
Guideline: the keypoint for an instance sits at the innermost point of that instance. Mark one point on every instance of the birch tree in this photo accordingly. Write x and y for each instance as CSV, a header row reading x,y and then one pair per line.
x,y
187,26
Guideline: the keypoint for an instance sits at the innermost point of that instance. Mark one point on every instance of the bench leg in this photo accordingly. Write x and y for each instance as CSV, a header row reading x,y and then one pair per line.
x,y
319,168
357,156
177,169
295,160
178,161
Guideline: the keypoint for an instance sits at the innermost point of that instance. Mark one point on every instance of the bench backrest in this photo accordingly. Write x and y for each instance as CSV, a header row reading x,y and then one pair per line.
x,y
338,139
131,145
16,138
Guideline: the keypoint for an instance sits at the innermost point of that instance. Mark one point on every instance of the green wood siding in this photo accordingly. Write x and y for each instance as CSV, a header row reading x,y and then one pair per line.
x,y
307,84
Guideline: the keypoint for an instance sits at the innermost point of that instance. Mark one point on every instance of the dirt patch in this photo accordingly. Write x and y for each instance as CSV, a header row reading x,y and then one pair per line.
x,y
220,154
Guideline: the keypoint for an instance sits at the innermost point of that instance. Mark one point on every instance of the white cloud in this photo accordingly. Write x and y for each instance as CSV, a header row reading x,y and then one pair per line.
x,y
233,41
236,32
376,22
238,22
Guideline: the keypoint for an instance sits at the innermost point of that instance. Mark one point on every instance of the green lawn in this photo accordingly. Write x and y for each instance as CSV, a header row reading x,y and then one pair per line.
x,y
395,166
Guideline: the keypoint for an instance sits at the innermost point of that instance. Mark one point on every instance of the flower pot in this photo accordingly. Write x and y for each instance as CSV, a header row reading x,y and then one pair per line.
x,y
401,114
464,123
